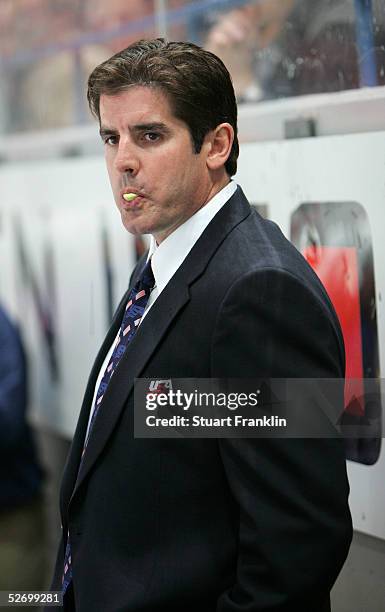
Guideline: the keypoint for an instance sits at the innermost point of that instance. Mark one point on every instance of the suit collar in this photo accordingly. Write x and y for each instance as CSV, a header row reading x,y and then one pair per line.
x,y
139,351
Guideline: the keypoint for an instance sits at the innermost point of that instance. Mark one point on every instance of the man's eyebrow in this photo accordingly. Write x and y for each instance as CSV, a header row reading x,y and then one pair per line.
x,y
139,127
106,131
148,127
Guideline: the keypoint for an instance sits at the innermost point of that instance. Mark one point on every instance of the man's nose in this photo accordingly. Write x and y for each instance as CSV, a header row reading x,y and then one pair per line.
x,y
126,159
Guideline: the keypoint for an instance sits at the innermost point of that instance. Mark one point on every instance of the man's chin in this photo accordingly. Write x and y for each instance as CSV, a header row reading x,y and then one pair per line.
x,y
144,226
136,229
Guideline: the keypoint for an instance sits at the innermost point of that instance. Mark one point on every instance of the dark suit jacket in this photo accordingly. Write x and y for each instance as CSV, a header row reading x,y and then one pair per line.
x,y
210,525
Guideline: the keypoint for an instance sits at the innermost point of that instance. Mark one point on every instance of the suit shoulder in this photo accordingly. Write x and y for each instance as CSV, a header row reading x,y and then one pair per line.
x,y
257,247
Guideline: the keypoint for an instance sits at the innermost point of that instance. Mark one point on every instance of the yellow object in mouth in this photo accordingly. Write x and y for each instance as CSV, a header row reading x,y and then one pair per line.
x,y
130,196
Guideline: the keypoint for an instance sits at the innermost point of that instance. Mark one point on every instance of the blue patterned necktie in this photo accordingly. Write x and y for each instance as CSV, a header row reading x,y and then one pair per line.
x,y
136,304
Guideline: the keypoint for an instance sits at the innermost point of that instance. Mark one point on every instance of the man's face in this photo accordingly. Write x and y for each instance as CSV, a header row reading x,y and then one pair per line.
x,y
150,153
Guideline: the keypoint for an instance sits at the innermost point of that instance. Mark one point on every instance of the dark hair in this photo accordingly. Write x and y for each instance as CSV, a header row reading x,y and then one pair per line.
x,y
196,82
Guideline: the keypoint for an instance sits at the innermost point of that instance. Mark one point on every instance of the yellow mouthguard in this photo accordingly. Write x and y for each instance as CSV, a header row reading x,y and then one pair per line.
x,y
129,196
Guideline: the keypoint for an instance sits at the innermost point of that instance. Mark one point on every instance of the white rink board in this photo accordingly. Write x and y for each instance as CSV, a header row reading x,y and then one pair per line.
x,y
330,169
62,204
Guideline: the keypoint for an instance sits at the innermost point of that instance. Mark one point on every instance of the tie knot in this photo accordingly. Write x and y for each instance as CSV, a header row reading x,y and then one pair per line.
x,y
147,280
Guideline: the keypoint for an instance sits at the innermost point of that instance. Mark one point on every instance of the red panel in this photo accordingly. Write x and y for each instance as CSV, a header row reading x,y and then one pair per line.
x,y
338,270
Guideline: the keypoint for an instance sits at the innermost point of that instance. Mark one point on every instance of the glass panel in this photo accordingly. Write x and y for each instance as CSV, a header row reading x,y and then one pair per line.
x,y
48,48
279,48
273,48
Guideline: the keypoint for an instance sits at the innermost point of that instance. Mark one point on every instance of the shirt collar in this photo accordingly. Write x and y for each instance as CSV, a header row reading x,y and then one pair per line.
x,y
170,254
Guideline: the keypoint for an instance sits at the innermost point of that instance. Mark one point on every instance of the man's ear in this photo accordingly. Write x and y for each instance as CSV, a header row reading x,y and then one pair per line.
x,y
220,140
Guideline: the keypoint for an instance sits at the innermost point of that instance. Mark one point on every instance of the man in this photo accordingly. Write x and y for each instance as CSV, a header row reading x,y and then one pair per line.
x,y
198,524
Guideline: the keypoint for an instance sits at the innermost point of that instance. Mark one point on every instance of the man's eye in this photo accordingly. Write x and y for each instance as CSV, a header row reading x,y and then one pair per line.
x,y
151,136
110,140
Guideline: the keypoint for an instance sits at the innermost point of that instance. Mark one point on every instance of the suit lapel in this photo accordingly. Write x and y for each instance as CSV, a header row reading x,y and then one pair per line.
x,y
139,351
73,460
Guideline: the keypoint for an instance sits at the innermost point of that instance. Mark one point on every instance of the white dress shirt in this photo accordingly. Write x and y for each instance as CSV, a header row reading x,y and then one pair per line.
x,y
169,255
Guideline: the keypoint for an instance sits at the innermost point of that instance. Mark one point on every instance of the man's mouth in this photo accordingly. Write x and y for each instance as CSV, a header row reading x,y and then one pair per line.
x,y
130,198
